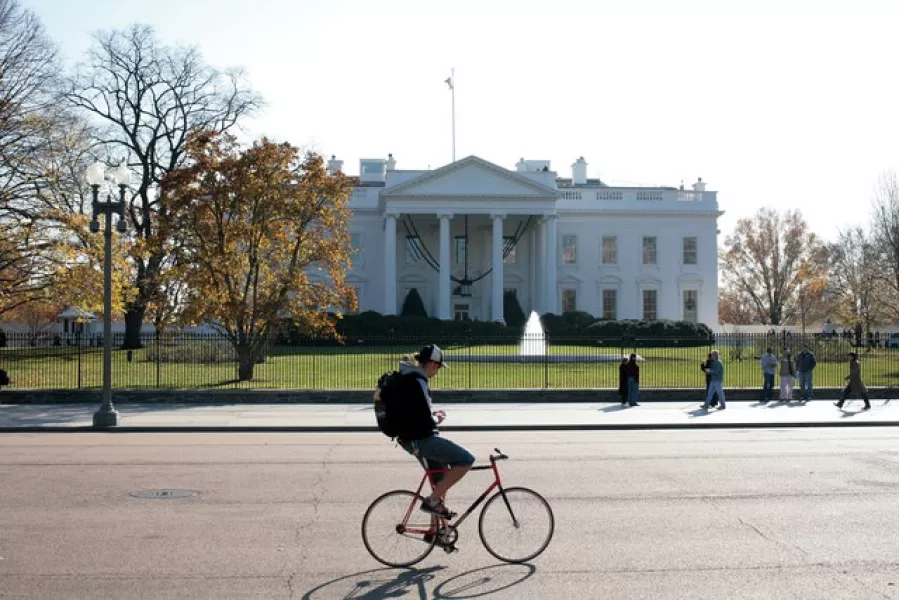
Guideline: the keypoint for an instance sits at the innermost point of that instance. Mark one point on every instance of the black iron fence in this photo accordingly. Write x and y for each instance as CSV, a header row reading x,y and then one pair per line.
x,y
554,362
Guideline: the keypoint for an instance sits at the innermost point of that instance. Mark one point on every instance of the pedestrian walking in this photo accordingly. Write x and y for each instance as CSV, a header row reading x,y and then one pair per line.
x,y
855,386
708,378
787,374
632,370
769,367
716,381
805,365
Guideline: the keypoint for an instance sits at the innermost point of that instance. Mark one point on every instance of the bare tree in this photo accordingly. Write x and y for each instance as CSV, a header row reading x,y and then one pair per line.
x,y
767,258
28,70
854,281
148,97
885,238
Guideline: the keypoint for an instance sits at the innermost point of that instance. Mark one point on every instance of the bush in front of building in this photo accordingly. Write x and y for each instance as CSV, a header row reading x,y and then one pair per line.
x,y
413,305
371,328
659,334
512,312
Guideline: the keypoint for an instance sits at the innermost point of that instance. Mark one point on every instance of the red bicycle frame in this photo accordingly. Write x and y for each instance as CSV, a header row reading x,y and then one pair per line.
x,y
429,476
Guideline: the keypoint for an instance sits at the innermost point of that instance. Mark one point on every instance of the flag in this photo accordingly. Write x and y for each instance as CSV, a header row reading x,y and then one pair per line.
x,y
449,82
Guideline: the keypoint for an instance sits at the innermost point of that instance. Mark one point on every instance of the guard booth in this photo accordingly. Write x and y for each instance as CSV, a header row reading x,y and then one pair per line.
x,y
77,326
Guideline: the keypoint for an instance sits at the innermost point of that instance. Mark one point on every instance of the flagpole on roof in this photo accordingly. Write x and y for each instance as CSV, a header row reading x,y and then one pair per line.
x,y
451,82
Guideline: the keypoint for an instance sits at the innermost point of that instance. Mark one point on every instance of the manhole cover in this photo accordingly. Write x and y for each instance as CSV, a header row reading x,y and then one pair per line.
x,y
165,494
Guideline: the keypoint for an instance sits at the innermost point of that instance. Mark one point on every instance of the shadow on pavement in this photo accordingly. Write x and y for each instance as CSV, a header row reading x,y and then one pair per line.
x,y
483,582
375,584
395,583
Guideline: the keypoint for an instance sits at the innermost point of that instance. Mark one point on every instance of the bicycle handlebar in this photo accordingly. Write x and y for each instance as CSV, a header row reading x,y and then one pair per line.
x,y
498,456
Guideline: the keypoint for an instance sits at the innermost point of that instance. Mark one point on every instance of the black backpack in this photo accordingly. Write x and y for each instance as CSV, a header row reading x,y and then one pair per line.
x,y
388,400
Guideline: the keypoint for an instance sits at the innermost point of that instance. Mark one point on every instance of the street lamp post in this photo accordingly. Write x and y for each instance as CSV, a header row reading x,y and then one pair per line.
x,y
107,416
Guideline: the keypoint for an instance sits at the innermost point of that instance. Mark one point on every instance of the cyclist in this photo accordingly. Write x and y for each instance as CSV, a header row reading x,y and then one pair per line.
x,y
418,430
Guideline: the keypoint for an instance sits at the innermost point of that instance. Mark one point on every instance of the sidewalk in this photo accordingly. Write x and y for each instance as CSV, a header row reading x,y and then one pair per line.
x,y
156,417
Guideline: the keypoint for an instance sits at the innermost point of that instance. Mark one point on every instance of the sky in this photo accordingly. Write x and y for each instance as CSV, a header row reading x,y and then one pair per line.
x,y
789,104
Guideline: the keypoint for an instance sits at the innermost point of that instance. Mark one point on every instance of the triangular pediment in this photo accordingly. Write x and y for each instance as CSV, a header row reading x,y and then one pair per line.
x,y
471,176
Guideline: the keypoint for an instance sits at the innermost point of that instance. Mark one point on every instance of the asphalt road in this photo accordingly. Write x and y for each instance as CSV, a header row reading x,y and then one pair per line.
x,y
807,513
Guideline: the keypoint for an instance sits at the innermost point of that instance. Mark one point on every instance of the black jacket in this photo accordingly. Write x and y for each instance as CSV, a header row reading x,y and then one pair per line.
x,y
416,422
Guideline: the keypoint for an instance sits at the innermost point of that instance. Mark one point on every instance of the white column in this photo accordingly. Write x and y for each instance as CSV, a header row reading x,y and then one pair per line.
x,y
552,258
540,259
497,308
445,293
532,269
390,265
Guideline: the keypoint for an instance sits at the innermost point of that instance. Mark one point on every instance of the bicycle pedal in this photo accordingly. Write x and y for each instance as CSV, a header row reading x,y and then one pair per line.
x,y
449,549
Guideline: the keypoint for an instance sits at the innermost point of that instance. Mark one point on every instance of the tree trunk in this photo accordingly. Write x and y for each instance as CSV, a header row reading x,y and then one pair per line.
x,y
245,362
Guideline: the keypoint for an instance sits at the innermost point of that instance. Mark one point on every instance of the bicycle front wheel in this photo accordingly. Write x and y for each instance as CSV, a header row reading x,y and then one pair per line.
x,y
395,532
516,527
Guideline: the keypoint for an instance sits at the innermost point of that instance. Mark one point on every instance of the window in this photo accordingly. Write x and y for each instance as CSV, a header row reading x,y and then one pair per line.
x,y
609,250
649,250
460,249
413,250
569,300
355,247
460,312
690,306
509,250
650,305
569,249
689,250
610,304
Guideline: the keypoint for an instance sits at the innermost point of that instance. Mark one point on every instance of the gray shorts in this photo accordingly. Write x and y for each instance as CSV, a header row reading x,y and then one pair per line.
x,y
436,452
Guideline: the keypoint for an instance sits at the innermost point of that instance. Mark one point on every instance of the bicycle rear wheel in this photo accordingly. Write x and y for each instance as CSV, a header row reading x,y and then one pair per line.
x,y
518,530
394,530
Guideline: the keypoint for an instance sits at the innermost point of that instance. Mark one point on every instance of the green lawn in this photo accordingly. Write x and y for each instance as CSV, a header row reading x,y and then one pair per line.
x,y
358,368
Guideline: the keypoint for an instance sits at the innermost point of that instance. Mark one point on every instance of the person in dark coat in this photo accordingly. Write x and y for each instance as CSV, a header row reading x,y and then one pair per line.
x,y
855,384
708,378
622,380
632,370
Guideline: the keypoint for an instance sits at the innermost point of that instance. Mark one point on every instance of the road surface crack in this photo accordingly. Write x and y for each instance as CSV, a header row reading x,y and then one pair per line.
x,y
768,538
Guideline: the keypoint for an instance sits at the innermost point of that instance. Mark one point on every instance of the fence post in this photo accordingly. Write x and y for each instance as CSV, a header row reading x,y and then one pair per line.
x,y
545,361
79,360
468,346
313,362
157,359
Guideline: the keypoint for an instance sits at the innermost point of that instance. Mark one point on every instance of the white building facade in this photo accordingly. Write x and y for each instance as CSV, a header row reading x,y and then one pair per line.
x,y
467,233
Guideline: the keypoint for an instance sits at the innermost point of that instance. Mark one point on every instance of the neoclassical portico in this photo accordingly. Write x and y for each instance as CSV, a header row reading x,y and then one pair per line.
x,y
494,201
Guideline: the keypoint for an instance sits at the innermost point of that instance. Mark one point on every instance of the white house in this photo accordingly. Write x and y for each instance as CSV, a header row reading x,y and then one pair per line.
x,y
463,234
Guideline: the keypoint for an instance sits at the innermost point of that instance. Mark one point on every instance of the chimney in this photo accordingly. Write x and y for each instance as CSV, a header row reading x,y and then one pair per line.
x,y
334,165
521,166
391,163
579,172
699,186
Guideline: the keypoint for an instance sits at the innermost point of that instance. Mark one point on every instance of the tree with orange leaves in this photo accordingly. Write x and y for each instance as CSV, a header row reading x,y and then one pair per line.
x,y
263,236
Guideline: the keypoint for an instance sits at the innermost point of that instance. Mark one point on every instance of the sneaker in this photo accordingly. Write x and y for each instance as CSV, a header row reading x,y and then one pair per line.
x,y
704,406
436,507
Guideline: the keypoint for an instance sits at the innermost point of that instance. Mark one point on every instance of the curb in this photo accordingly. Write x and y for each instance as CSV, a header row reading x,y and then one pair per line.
x,y
359,429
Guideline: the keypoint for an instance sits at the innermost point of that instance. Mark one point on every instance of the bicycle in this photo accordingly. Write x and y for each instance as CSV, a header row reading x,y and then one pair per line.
x,y
393,518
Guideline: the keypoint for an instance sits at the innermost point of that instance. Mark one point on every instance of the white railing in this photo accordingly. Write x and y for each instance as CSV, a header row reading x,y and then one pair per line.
x,y
684,196
649,196
609,195
571,195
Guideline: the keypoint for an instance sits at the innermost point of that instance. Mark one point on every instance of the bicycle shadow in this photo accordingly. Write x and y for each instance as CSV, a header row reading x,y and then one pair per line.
x,y
371,587
478,583
395,583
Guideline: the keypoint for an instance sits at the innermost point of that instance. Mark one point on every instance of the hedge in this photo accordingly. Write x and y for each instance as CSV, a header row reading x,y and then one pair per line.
x,y
574,328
